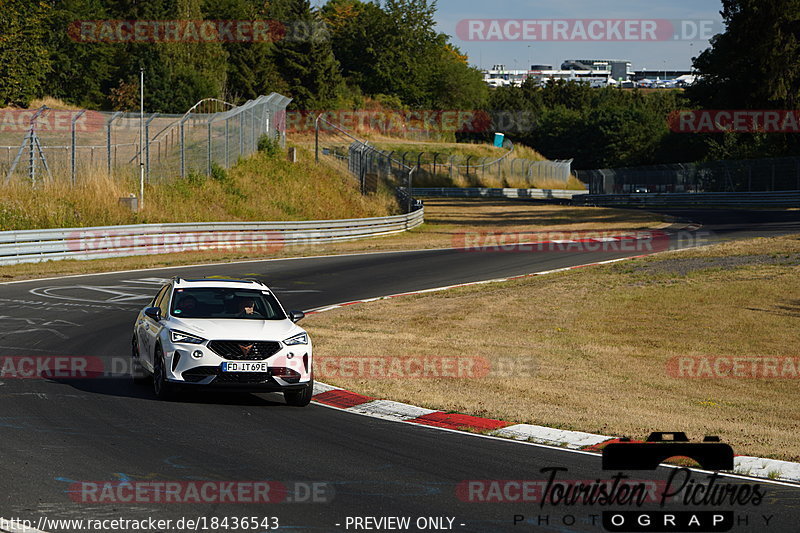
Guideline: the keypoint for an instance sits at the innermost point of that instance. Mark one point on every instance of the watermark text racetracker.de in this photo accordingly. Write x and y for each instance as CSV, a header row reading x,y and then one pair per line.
x,y
102,241
50,120
734,367
360,367
424,367
645,241
735,121
587,30
196,31
204,492
51,367
411,121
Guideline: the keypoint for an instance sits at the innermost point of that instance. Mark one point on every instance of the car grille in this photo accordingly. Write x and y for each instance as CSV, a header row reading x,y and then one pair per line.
x,y
245,350
241,377
193,375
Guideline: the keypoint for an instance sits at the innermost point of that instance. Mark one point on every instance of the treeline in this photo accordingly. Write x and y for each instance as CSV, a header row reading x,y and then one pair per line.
x,y
337,56
598,128
325,58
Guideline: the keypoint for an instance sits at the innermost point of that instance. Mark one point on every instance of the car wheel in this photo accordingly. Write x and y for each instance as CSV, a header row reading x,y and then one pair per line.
x,y
138,373
300,398
163,389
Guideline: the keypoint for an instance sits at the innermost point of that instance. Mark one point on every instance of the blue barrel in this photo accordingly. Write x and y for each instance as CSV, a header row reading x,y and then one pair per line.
x,y
498,139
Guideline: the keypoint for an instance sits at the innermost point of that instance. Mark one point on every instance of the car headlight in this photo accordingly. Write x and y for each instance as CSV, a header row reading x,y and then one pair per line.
x,y
180,336
301,338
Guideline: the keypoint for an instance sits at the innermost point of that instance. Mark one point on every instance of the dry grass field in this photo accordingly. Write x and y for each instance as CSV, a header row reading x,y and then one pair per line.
x,y
257,188
596,349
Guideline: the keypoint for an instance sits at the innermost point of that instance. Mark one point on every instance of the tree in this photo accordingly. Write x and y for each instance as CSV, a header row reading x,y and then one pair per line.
x,y
359,37
452,84
394,50
305,59
24,60
177,74
251,70
598,128
413,47
81,72
755,63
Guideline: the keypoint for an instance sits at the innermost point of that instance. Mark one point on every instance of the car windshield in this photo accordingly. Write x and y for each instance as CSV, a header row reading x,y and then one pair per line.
x,y
216,302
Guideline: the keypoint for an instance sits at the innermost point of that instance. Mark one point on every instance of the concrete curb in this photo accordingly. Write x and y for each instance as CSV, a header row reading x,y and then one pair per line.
x,y
574,440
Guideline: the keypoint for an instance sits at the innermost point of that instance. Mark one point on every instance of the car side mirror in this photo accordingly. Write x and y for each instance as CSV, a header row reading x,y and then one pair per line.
x,y
154,313
296,316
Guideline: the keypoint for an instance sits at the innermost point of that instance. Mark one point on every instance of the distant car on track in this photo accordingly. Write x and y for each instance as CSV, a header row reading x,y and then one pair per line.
x,y
222,334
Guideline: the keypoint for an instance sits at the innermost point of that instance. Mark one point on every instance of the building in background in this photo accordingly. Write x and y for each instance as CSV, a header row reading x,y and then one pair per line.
x,y
596,72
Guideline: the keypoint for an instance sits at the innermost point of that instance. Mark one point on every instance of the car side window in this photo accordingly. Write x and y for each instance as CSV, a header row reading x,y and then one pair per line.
x,y
154,302
163,300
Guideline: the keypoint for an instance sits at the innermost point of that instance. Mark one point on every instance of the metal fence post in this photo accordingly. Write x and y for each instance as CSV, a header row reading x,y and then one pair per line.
x,y
253,130
410,187
108,139
147,145
316,138
72,144
182,141
241,133
208,150
265,120
32,157
227,165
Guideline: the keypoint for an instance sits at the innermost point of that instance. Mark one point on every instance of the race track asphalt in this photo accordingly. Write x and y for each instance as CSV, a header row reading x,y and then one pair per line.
x,y
56,432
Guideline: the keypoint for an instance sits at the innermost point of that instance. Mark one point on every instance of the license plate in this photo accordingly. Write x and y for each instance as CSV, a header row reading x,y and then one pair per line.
x,y
245,366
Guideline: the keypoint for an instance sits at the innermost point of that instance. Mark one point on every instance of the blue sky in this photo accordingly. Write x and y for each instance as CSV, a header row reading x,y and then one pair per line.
x,y
651,55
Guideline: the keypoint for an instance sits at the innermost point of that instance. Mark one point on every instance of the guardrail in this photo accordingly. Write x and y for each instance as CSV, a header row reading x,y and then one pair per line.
x,y
698,199
32,246
476,192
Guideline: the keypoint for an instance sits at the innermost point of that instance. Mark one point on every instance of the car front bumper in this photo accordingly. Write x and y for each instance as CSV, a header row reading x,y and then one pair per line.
x,y
203,369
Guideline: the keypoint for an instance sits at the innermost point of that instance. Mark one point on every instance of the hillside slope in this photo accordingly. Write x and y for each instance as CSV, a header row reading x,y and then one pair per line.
x,y
259,188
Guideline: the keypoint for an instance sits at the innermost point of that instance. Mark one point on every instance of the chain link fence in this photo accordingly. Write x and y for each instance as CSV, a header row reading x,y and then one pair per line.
x,y
753,175
458,170
373,166
70,146
376,171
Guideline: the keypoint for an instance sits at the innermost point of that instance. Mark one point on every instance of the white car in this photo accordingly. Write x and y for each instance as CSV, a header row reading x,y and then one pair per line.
x,y
222,334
